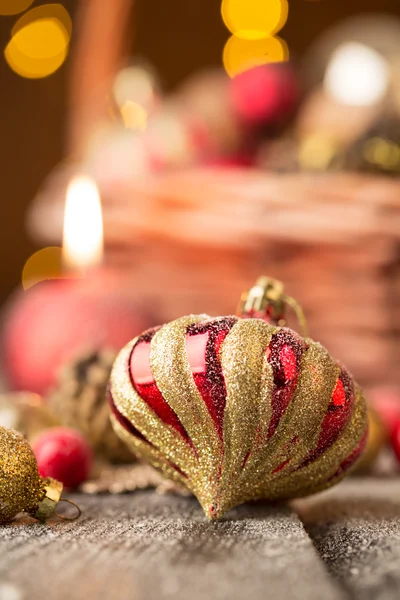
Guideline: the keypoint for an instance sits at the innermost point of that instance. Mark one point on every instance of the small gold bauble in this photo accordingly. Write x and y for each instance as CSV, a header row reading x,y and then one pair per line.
x,y
21,487
377,438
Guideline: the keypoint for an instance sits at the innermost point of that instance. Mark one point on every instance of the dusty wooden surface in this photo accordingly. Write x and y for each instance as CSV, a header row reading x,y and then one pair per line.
x,y
344,544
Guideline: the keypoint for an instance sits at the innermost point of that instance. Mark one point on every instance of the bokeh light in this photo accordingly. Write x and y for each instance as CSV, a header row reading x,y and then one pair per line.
x,y
46,11
136,84
44,264
316,152
13,7
134,116
240,54
357,75
254,19
382,153
40,41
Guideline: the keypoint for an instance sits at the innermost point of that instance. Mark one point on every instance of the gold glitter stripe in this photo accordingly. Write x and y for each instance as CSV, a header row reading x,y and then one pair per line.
x,y
251,470
173,375
146,452
248,386
130,404
316,475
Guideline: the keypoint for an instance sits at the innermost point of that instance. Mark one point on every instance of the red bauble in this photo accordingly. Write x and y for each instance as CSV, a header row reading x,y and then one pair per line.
x,y
64,455
52,322
264,95
230,162
386,402
396,439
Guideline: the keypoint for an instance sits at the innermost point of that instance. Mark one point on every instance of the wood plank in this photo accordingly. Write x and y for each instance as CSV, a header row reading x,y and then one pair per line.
x,y
146,546
356,529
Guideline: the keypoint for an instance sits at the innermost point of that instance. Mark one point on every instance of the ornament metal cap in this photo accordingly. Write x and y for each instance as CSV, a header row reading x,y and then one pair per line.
x,y
47,507
267,300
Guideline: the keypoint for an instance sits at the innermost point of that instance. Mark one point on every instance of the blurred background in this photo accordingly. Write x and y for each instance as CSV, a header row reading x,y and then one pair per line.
x,y
176,37
155,166
286,162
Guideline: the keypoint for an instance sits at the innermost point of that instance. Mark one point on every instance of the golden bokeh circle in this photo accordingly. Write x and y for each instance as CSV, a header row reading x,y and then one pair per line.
x,y
47,12
13,7
241,55
44,264
40,41
254,19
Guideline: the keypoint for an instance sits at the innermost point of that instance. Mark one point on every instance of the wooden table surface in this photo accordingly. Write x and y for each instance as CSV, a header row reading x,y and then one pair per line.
x,y
342,544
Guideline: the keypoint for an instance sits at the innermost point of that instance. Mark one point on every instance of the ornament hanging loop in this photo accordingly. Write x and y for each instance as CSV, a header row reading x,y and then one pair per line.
x,y
267,300
73,518
298,311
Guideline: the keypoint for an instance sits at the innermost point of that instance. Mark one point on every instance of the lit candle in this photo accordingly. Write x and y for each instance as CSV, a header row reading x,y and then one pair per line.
x,y
54,321
83,226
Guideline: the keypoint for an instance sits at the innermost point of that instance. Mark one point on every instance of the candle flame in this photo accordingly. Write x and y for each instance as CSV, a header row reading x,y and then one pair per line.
x,y
83,225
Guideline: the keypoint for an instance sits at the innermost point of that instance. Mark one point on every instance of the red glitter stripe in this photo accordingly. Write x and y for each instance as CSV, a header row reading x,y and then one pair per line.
x,y
281,466
339,412
151,394
337,417
352,458
210,381
130,428
123,421
284,355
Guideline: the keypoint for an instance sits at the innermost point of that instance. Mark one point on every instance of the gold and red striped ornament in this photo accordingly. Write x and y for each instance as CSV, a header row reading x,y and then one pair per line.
x,y
239,408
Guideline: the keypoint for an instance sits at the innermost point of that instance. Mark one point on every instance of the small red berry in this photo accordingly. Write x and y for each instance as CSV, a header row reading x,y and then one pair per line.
x,y
63,454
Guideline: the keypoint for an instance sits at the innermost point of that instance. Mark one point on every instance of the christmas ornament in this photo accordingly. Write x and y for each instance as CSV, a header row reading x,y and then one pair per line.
x,y
79,401
26,413
63,454
239,408
21,487
265,95
377,439
396,440
385,401
47,325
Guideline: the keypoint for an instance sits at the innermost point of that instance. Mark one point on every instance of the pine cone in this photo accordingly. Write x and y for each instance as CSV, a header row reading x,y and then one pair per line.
x,y
79,401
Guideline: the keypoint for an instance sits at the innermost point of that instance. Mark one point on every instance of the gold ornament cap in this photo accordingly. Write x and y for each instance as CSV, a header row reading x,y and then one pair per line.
x,y
267,300
46,508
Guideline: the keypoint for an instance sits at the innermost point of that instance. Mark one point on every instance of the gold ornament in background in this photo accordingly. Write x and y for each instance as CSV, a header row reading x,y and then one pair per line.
x,y
79,401
377,439
26,413
239,409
